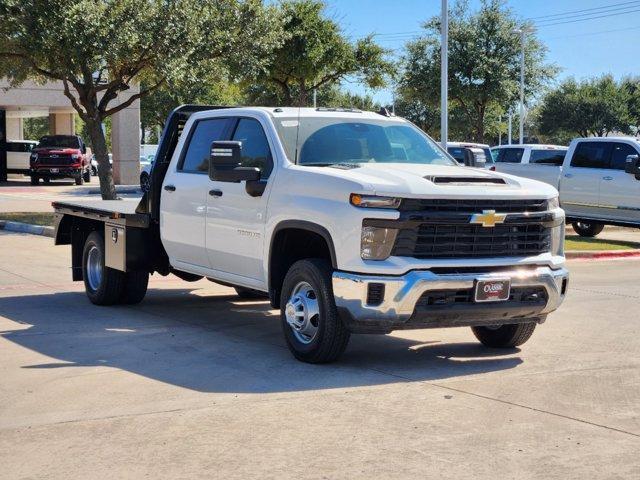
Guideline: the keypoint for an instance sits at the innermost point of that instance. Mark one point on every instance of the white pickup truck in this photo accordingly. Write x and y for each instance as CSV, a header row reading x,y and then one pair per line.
x,y
349,221
598,180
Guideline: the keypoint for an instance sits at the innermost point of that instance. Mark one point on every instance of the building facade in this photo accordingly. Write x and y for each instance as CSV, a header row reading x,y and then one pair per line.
x,y
48,100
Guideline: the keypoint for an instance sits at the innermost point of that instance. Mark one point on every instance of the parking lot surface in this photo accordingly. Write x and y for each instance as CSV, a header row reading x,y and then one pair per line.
x,y
196,383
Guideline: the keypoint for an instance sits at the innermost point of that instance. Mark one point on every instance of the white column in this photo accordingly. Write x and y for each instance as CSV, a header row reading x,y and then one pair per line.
x,y
62,124
125,141
15,129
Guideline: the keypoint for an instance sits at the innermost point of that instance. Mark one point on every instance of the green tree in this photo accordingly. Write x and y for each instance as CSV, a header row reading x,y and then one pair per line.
x,y
484,66
317,54
631,87
594,107
99,49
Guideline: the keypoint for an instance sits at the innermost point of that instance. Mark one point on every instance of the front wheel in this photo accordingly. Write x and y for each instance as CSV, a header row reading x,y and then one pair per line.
x,y
504,336
587,229
312,328
86,176
34,180
79,180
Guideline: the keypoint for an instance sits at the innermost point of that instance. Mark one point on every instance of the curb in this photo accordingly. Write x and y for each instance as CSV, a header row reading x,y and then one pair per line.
x,y
20,227
601,254
126,190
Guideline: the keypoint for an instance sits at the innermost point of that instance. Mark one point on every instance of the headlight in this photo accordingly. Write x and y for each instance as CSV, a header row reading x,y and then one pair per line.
x,y
373,201
376,243
553,203
557,240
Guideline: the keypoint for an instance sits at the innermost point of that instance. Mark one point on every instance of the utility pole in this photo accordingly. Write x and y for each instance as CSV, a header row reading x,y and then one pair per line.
x,y
444,74
509,129
522,32
315,97
500,130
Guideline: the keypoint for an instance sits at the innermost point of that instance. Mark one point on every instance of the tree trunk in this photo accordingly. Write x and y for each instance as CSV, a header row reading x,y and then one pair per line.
x,y
105,174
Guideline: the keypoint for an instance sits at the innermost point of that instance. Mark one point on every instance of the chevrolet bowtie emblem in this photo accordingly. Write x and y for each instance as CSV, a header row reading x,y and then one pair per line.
x,y
488,218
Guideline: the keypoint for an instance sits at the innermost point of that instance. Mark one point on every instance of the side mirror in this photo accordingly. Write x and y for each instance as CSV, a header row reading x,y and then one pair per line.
x,y
225,161
632,165
469,160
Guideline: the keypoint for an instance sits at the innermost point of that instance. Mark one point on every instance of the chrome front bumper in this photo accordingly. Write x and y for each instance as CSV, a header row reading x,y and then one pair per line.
x,y
397,310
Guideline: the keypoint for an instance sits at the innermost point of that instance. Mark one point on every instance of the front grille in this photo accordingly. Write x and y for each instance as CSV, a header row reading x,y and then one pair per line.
x,y
471,206
520,295
60,160
467,240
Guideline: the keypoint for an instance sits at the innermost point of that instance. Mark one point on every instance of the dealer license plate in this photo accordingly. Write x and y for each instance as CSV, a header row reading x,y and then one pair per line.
x,y
54,170
496,290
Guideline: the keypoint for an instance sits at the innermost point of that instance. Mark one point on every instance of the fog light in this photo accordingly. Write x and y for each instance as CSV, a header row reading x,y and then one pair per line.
x,y
376,243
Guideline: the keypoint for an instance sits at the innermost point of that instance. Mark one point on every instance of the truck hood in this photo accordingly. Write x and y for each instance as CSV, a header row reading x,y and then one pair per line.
x,y
413,180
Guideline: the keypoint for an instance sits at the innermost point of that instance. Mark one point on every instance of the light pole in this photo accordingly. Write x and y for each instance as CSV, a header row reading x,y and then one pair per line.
x,y
522,32
444,73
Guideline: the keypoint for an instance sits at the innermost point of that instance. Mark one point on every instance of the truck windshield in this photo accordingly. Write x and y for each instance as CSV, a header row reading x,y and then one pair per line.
x,y
327,141
62,141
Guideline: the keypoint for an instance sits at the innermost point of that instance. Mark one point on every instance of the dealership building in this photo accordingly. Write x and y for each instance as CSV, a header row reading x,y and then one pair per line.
x,y
48,100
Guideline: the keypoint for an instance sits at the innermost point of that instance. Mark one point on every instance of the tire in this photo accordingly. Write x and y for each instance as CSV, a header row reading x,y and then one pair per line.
x,y
94,171
86,176
326,340
250,294
505,336
587,229
79,180
46,180
144,182
103,285
35,180
135,287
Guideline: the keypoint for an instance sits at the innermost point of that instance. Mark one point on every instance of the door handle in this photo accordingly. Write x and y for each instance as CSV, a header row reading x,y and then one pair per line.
x,y
170,188
568,175
607,178
215,193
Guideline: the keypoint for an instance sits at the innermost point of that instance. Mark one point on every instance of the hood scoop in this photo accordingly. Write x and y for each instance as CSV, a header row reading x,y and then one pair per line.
x,y
465,180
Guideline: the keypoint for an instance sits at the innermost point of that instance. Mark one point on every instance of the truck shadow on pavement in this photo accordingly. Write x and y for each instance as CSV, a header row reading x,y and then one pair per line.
x,y
215,343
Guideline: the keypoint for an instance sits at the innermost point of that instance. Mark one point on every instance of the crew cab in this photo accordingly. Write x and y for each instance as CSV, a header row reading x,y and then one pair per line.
x,y
18,155
60,156
598,180
348,221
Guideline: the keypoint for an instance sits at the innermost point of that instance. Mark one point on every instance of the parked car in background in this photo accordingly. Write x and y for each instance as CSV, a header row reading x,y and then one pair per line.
x,y
94,164
60,156
18,155
145,171
598,180
517,159
471,154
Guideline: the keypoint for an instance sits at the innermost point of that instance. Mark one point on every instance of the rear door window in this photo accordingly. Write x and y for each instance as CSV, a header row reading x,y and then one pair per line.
x,y
592,155
547,157
619,153
204,133
510,155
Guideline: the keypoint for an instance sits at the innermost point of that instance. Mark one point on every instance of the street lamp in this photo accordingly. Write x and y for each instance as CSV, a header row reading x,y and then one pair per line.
x,y
522,32
444,73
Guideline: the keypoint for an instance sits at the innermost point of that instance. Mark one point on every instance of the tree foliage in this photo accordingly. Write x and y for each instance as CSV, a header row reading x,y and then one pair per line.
x,y
594,107
484,66
100,49
316,55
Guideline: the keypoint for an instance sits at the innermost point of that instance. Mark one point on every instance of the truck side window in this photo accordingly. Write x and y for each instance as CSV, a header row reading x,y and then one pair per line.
x,y
204,133
547,157
619,155
509,155
591,155
255,147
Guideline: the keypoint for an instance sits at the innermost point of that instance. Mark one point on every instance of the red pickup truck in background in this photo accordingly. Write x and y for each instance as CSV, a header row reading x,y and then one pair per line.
x,y
60,156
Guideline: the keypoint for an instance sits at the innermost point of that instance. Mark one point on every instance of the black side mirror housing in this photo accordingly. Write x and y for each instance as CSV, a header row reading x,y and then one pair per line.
x,y
632,165
224,163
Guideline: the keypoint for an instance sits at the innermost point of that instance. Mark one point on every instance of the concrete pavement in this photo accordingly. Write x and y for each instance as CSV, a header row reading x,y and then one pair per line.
x,y
196,383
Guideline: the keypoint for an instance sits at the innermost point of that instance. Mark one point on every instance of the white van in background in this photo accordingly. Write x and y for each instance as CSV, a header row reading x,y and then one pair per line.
x,y
18,155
